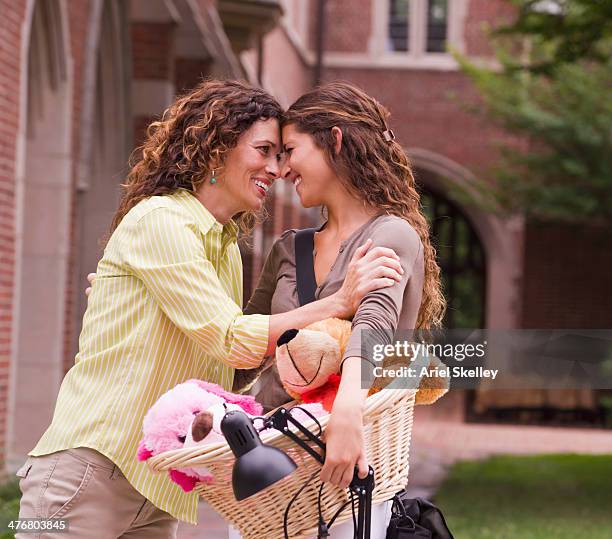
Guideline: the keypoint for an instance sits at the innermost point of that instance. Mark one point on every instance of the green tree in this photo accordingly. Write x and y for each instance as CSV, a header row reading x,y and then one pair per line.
x,y
552,91
565,31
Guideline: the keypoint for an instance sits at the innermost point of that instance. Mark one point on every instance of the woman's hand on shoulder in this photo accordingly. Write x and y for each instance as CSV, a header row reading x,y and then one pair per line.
x,y
368,270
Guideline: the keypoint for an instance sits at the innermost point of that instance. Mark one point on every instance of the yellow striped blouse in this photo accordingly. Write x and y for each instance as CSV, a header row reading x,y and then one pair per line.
x,y
165,307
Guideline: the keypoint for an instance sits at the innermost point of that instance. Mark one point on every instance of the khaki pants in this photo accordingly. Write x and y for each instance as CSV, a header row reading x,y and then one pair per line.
x,y
90,492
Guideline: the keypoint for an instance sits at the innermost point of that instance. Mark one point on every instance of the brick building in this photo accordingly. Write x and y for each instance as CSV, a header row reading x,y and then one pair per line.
x,y
80,80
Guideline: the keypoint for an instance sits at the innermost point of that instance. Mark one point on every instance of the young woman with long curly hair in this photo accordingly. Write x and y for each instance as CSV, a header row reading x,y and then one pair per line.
x,y
166,307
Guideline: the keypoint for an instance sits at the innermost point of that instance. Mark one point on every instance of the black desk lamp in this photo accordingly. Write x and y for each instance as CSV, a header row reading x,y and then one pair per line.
x,y
259,466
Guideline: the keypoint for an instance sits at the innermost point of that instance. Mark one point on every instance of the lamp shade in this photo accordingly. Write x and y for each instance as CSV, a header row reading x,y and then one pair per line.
x,y
257,465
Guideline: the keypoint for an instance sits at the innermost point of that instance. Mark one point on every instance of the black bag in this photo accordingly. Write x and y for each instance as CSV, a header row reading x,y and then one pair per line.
x,y
416,518
304,265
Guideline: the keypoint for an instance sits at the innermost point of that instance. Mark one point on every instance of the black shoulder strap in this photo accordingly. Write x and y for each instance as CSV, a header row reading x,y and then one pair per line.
x,y
304,265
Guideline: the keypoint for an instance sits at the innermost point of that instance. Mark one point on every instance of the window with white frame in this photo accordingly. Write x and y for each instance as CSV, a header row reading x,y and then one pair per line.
x,y
398,25
437,25
419,27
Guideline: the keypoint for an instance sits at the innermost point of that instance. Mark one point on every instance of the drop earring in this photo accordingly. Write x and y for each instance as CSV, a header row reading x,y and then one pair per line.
x,y
213,180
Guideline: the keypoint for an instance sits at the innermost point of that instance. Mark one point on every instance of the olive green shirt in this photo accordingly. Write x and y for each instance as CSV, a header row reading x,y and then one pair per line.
x,y
381,312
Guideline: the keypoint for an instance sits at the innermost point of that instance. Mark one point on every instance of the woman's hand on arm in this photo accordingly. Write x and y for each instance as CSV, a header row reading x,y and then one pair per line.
x,y
368,270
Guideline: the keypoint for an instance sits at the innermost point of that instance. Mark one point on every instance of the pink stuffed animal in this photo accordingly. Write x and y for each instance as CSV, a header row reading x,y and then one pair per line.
x,y
188,415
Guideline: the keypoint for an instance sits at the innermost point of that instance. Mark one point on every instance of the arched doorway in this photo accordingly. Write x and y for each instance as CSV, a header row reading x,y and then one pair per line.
x,y
481,261
43,225
462,260
500,240
461,257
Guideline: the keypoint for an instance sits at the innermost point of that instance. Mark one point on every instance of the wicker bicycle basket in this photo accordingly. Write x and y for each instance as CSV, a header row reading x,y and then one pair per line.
x,y
387,419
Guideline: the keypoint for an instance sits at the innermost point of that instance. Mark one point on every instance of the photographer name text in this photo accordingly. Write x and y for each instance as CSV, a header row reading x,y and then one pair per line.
x,y
433,372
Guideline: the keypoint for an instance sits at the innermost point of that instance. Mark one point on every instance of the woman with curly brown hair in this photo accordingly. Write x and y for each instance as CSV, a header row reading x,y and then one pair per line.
x,y
166,307
341,155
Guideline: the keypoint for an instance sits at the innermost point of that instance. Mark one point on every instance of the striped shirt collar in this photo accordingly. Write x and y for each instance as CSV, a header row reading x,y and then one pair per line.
x,y
205,219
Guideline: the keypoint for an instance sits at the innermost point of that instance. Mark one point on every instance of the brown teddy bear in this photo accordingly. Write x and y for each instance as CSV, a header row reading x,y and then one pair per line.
x,y
308,363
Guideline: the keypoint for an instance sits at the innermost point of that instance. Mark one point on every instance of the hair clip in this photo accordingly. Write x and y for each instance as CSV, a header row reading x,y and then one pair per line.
x,y
388,135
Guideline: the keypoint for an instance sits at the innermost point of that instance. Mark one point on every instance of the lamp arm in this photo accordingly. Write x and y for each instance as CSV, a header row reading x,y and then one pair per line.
x,y
280,420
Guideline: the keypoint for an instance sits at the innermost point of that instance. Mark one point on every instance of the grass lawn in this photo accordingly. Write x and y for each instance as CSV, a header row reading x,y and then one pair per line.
x,y
535,497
